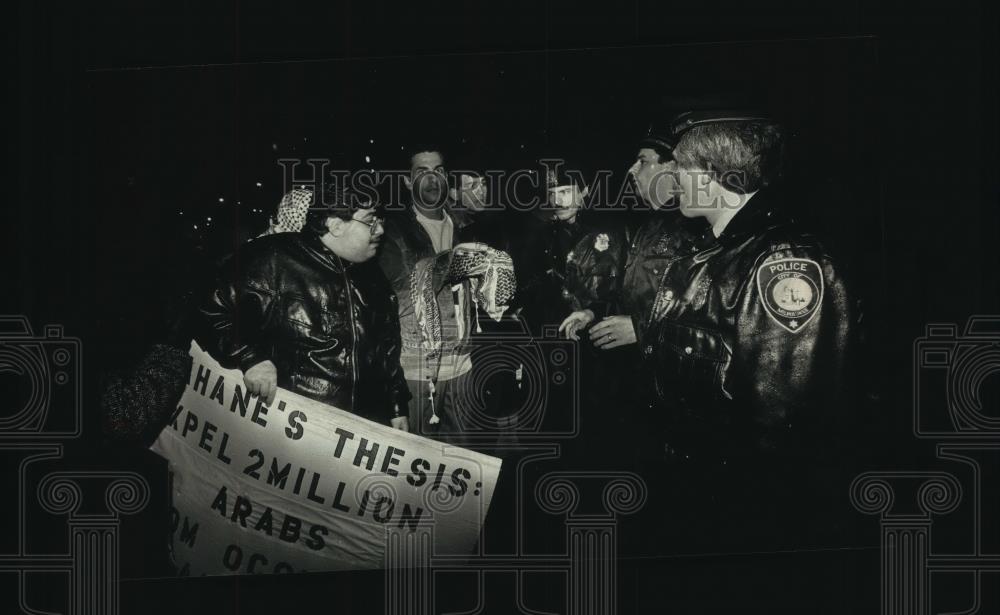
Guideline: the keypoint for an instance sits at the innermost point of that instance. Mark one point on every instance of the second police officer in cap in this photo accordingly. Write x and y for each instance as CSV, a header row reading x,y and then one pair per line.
x,y
748,336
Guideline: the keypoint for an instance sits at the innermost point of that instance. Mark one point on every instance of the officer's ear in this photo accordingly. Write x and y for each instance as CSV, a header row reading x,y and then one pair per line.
x,y
705,178
585,192
712,174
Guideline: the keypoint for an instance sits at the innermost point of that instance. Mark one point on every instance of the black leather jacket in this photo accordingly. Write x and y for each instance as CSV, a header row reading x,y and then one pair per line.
x,y
593,270
330,327
749,335
564,267
651,244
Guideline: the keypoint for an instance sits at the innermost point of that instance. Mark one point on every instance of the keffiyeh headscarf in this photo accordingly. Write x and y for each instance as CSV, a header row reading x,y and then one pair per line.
x,y
292,210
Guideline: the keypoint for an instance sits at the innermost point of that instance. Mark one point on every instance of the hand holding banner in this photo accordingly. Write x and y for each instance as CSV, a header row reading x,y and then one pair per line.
x,y
301,486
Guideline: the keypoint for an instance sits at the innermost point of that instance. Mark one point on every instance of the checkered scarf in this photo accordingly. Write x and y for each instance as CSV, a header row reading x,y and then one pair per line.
x,y
492,284
292,210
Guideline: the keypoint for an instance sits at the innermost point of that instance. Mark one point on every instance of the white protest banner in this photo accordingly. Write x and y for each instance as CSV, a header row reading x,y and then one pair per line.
x,y
302,486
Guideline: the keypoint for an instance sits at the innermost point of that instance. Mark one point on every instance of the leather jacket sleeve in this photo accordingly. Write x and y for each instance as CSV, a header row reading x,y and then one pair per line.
x,y
593,272
388,344
233,319
790,365
766,365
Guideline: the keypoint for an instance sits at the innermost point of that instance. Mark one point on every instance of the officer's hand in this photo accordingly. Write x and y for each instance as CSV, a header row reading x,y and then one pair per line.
x,y
612,332
262,380
576,321
401,423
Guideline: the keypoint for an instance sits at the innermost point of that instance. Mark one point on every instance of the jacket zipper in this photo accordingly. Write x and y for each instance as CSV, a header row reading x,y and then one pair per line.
x,y
354,336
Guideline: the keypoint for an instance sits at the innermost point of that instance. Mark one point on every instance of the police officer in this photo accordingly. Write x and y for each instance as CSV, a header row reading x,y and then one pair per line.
x,y
648,239
615,325
571,259
752,312
749,337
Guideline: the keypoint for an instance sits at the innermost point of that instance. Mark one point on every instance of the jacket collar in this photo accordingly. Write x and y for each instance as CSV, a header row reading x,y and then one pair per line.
x,y
313,246
759,213
412,232
460,218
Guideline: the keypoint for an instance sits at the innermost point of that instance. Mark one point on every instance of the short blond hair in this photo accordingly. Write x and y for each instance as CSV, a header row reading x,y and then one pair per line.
x,y
743,156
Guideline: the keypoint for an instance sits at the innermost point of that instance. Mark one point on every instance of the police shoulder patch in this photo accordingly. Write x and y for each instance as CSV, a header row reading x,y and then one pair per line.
x,y
791,291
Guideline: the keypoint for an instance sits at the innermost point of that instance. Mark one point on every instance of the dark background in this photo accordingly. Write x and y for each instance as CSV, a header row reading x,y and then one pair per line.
x,y
127,114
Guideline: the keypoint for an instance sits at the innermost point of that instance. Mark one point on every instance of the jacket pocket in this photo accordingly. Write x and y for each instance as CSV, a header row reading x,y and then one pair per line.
x,y
306,319
692,364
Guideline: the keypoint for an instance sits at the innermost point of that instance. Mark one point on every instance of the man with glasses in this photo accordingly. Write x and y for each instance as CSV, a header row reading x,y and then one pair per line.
x,y
312,313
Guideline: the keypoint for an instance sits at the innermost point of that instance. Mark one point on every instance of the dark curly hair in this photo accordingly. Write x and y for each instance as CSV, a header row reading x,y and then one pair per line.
x,y
335,201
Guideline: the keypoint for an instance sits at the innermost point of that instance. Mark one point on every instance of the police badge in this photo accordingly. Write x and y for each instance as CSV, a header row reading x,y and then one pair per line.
x,y
791,291
602,242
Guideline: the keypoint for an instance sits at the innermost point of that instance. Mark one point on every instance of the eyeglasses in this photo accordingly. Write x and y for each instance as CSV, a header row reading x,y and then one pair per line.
x,y
371,225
